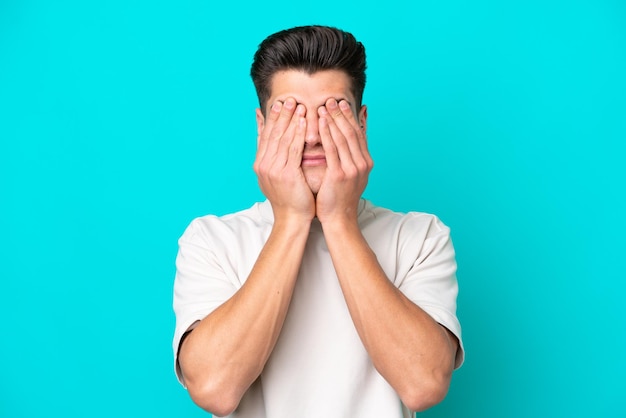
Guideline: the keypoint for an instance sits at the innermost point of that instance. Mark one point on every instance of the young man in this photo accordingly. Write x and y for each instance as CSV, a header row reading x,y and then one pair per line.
x,y
315,302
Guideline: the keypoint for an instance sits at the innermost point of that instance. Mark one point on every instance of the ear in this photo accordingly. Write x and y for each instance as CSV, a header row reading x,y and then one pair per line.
x,y
260,121
363,117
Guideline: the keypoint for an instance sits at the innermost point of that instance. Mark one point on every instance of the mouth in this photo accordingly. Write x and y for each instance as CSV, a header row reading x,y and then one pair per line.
x,y
313,160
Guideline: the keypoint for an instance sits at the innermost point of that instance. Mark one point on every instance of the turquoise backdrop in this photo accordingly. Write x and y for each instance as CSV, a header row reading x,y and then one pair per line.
x,y
120,121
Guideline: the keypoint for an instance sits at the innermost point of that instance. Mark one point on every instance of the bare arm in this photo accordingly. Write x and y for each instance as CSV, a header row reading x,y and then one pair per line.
x,y
410,350
228,349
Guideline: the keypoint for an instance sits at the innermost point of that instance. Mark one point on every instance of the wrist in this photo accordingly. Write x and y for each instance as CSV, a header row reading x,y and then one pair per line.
x,y
292,225
340,226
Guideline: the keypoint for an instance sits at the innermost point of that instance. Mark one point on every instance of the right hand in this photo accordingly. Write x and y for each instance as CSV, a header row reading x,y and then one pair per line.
x,y
278,162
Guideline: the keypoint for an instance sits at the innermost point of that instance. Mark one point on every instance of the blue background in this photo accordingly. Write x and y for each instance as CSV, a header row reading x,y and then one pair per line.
x,y
121,121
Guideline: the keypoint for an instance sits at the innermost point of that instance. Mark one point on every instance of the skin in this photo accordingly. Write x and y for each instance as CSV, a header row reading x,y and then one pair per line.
x,y
313,161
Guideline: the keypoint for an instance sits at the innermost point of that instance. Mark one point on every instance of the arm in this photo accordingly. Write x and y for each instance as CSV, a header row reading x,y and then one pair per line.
x,y
410,350
227,350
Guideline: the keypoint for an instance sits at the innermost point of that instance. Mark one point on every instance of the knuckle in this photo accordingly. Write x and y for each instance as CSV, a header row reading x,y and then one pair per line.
x,y
274,135
338,175
351,171
361,165
273,175
294,148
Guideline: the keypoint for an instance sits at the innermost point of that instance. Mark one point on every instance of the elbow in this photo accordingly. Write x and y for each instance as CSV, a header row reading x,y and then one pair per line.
x,y
213,398
423,400
426,394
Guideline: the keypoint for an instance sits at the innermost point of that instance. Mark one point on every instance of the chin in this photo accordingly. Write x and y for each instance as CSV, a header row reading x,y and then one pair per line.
x,y
314,179
315,187
314,184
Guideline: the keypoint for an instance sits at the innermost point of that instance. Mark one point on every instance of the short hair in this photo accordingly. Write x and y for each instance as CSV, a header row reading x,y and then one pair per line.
x,y
309,49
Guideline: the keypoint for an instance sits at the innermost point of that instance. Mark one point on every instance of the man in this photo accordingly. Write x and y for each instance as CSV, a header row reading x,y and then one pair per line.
x,y
315,302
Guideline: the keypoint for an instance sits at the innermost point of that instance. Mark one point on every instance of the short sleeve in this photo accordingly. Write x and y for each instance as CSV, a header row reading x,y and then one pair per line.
x,y
201,283
431,281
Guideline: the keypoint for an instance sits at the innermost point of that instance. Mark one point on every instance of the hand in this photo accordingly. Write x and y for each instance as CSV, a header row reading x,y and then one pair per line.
x,y
348,163
278,159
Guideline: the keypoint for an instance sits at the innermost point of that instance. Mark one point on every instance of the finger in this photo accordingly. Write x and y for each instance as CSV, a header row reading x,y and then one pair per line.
x,y
336,136
296,148
349,115
330,149
354,135
289,137
270,120
279,126
345,121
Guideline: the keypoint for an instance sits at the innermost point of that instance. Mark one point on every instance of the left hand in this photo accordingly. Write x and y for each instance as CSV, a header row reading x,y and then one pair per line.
x,y
348,163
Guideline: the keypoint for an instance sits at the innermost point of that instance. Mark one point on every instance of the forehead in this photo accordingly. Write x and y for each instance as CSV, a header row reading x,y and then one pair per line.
x,y
311,89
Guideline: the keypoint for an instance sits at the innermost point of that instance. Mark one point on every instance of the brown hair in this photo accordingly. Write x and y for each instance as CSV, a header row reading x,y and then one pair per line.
x,y
309,49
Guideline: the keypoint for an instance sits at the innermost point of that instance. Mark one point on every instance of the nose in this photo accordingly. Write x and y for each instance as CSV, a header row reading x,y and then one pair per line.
x,y
312,135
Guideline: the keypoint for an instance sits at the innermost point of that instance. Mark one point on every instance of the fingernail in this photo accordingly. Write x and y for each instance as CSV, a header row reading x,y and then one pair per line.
x,y
300,109
322,110
332,103
344,105
276,106
290,103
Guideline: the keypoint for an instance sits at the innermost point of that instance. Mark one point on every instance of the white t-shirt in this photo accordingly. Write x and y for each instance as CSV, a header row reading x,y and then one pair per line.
x,y
319,367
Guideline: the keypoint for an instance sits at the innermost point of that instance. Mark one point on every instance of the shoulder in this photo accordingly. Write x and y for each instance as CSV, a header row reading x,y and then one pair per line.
x,y
416,224
209,228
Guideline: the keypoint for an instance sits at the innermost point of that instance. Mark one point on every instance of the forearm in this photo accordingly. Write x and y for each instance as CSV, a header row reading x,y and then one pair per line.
x,y
228,349
410,350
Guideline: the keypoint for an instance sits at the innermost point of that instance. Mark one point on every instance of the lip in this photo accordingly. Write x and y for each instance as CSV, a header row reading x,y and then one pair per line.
x,y
313,160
